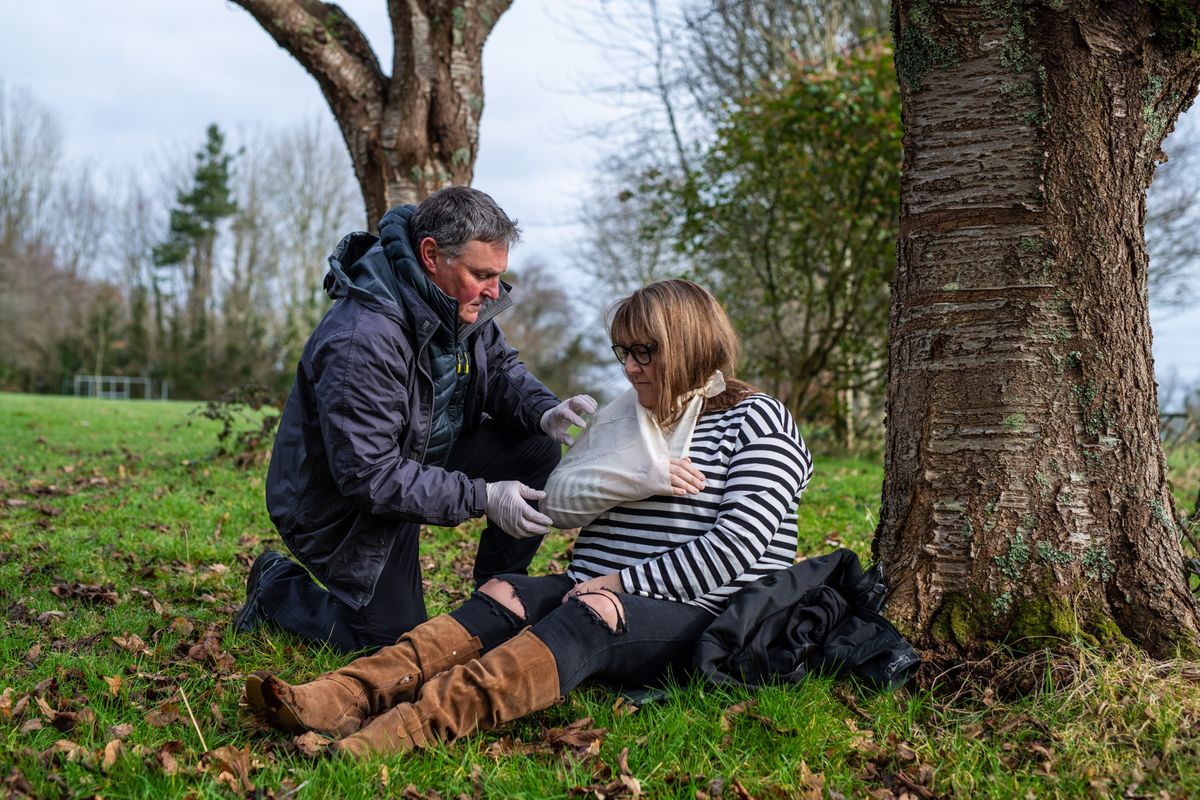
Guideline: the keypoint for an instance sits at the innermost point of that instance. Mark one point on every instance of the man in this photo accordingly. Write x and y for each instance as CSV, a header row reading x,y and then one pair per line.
x,y
408,408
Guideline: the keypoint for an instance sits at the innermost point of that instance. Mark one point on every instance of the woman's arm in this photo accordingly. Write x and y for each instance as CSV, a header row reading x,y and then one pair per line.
x,y
769,469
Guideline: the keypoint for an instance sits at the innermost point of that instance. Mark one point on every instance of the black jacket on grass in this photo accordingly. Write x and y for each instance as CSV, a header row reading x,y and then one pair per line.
x,y
821,615
380,396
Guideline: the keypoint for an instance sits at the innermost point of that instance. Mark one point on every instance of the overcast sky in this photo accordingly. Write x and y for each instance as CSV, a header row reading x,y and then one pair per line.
x,y
128,79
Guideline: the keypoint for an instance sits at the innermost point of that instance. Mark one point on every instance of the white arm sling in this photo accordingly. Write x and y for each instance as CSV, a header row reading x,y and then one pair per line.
x,y
622,456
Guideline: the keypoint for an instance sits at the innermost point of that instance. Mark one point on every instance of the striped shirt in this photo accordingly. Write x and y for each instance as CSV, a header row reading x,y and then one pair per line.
x,y
702,548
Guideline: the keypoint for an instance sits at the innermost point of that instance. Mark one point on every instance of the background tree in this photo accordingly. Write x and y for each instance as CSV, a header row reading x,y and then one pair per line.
x,y
192,247
792,230
411,132
1173,224
545,328
1025,489
790,217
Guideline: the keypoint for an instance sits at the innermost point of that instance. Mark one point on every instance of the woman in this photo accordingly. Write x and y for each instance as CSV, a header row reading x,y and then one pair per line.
x,y
645,580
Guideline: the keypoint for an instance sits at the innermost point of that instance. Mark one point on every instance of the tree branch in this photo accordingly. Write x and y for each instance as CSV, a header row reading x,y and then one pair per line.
x,y
328,44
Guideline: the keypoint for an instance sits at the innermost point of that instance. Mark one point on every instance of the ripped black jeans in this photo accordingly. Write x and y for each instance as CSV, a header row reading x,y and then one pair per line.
x,y
651,637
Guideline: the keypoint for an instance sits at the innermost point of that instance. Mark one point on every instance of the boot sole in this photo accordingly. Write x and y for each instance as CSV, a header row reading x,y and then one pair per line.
x,y
268,706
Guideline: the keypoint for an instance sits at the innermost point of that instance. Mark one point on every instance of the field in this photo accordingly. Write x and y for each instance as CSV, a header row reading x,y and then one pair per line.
x,y
124,547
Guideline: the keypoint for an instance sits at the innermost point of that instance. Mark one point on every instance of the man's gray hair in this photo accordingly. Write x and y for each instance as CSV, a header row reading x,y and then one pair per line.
x,y
458,215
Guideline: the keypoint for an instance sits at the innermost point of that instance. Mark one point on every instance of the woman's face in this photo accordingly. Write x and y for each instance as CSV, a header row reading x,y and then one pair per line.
x,y
644,377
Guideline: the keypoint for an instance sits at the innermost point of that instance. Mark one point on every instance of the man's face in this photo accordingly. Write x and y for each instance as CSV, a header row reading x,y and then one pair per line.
x,y
472,279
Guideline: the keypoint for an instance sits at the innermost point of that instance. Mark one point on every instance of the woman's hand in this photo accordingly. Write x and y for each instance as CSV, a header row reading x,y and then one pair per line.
x,y
611,582
685,479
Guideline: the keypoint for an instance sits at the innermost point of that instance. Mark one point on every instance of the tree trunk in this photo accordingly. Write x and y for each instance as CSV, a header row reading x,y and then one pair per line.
x,y
1026,491
413,132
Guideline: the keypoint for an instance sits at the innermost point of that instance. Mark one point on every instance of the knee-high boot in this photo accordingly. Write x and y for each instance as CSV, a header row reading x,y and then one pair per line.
x,y
515,679
340,701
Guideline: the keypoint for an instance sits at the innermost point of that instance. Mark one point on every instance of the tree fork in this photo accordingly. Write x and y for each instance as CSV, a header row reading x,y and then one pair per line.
x,y
413,132
1025,489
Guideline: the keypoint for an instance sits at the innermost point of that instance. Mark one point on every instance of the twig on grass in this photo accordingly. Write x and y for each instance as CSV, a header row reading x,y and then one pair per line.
x,y
188,706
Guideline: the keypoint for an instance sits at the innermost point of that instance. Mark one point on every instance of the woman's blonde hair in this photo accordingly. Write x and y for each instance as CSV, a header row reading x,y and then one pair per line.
x,y
693,338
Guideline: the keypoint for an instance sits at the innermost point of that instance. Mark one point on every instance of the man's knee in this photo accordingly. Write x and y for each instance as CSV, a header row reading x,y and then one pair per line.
x,y
606,607
505,594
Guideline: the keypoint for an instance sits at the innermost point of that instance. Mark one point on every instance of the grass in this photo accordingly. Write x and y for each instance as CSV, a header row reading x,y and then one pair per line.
x,y
124,547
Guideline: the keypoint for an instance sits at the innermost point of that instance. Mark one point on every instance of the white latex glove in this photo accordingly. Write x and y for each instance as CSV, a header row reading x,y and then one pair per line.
x,y
506,507
557,421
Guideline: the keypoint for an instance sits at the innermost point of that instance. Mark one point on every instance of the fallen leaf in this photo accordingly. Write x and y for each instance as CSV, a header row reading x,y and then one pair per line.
x,y
232,767
69,751
48,616
740,791
626,775
120,731
310,744
813,784
93,594
17,785
31,725
166,759
70,720
582,740
182,626
34,654
132,642
217,716
114,684
6,702
112,752
162,716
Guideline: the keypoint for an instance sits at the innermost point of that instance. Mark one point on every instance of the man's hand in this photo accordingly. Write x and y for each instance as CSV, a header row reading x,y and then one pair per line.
x,y
611,582
557,421
507,508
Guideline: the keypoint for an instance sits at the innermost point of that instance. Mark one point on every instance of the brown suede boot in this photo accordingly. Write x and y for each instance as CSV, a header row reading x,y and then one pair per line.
x,y
517,678
340,701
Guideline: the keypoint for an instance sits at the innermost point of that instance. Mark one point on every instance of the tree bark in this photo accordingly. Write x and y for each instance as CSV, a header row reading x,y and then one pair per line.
x,y
413,132
1026,491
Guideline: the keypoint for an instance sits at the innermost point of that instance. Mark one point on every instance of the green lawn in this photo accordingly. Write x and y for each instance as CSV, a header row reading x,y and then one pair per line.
x,y
124,547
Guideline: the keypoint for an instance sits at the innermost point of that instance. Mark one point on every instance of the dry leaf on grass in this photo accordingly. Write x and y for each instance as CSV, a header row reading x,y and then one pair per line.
x,y
310,744
231,766
812,784
112,752
66,750
114,684
91,593
163,716
132,642
16,785
746,709
120,731
165,756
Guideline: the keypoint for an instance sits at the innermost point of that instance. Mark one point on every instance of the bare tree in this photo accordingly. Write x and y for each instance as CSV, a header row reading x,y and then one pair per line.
x,y
564,353
1025,489
1173,221
30,153
411,132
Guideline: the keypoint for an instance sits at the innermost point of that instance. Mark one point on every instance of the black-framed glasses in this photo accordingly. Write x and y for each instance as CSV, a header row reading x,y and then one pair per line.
x,y
641,352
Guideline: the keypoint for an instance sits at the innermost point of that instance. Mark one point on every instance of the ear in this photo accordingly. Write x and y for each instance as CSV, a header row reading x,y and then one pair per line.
x,y
427,253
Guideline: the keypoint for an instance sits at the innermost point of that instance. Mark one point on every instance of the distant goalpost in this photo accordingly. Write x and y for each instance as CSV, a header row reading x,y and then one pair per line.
x,y
119,387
